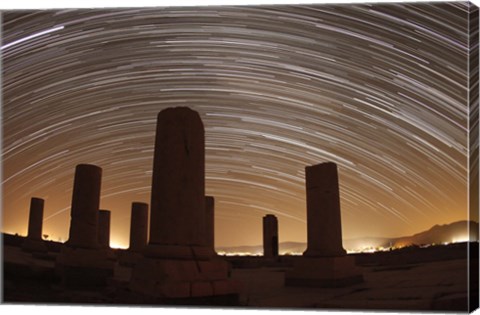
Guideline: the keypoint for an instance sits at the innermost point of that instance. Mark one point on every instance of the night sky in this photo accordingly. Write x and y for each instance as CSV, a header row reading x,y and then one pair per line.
x,y
381,90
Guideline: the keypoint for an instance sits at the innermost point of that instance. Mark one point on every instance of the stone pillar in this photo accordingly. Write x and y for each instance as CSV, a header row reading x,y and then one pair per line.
x,y
85,203
33,242
178,261
324,263
82,263
210,222
177,213
104,228
324,226
138,226
270,236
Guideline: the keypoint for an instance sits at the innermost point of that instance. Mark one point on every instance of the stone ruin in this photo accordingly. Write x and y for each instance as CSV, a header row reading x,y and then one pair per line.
x,y
210,222
33,242
325,262
270,236
82,261
138,227
138,235
179,260
104,228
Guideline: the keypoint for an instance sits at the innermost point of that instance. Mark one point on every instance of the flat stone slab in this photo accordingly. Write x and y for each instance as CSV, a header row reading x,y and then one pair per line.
x,y
83,268
169,278
34,246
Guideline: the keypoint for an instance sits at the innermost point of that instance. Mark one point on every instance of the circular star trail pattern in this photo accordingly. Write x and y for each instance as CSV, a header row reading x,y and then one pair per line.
x,y
381,90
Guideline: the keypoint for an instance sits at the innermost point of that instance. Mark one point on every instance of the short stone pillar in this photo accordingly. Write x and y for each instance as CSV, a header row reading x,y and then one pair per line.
x,y
210,222
104,228
138,235
324,263
270,236
324,226
178,262
33,242
85,204
82,262
138,226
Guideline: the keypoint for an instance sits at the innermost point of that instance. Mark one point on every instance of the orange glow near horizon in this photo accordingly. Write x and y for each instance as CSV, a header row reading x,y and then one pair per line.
x,y
392,112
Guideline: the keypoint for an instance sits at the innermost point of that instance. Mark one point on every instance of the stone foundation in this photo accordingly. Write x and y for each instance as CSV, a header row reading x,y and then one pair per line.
x,y
34,246
84,268
177,278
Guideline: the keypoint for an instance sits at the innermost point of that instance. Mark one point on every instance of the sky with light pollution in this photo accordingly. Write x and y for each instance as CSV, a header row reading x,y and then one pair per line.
x,y
379,89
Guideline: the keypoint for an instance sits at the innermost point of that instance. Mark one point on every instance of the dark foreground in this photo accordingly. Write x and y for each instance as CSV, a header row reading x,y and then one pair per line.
x,y
434,278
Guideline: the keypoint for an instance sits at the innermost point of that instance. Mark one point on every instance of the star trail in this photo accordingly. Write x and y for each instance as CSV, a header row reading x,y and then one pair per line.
x,y
379,89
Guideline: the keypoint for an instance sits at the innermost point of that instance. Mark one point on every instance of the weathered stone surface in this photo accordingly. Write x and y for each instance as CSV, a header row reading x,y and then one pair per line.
x,y
138,226
179,260
270,236
173,278
178,179
104,228
83,267
85,203
82,262
202,288
35,220
33,242
324,263
210,222
129,258
324,227
226,287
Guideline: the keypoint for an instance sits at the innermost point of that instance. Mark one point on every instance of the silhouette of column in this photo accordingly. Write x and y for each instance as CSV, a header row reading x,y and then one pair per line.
x,y
210,222
83,263
177,215
324,227
85,203
270,236
138,226
104,228
33,241
178,261
35,220
325,262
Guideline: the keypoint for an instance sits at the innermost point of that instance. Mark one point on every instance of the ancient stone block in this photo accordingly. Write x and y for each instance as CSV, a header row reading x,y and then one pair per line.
x,y
138,226
33,242
104,228
324,263
324,227
85,203
270,236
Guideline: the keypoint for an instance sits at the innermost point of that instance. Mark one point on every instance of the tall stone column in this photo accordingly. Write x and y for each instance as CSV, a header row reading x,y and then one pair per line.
x,y
82,263
104,228
33,242
178,261
177,213
138,226
85,204
324,226
270,236
324,263
210,222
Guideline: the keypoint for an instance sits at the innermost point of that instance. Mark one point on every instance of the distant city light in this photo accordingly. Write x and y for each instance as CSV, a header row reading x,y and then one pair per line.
x,y
118,246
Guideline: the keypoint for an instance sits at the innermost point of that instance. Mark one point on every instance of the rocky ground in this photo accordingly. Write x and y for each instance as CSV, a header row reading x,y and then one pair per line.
x,y
420,279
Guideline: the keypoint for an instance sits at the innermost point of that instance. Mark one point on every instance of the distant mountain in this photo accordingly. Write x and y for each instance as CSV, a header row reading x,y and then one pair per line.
x,y
438,234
